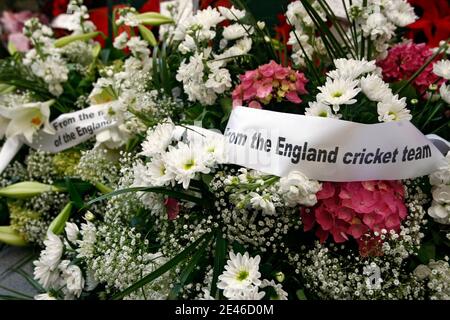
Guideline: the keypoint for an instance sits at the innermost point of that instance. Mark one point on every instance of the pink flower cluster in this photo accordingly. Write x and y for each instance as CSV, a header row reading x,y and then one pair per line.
x,y
355,209
403,60
13,25
270,82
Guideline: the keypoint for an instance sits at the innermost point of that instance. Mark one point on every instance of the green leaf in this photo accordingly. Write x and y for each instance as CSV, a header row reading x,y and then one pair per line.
x,y
74,194
171,193
219,261
427,252
201,253
183,255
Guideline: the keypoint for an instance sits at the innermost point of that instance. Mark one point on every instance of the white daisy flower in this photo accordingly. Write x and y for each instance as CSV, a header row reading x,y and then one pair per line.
x,y
318,109
185,162
241,273
400,12
44,296
444,91
393,109
442,69
351,68
375,88
337,92
157,173
280,294
158,139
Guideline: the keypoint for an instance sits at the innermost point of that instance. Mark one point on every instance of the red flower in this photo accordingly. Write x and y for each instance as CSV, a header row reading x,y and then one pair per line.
x,y
434,22
172,207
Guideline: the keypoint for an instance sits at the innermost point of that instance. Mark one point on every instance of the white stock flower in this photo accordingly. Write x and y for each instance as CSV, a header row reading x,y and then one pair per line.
x,y
442,69
351,68
72,231
88,238
278,288
318,109
441,176
241,273
393,109
237,31
337,92
138,47
375,88
158,139
120,42
378,26
400,12
263,203
72,277
241,47
27,119
297,189
185,162
232,13
219,79
444,91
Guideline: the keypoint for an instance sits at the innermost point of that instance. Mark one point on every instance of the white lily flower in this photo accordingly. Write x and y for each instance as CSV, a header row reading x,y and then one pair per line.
x,y
27,119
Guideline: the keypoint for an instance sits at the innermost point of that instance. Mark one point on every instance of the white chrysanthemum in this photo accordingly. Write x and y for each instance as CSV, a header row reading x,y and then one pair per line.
x,y
53,250
263,203
47,276
444,91
252,293
337,92
375,88
241,273
400,12
214,149
72,277
318,109
44,296
232,13
158,139
237,31
157,173
297,15
442,69
280,294
184,162
297,189
351,68
393,109
72,231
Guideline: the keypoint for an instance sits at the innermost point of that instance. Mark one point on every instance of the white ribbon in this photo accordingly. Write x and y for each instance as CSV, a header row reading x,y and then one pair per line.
x,y
71,129
329,149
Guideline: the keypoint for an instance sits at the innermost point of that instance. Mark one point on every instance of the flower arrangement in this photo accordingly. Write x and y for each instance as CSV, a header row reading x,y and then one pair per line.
x,y
149,205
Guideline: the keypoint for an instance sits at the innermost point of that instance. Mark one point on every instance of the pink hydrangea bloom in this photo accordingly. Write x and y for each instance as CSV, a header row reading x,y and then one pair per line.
x,y
355,209
403,60
270,82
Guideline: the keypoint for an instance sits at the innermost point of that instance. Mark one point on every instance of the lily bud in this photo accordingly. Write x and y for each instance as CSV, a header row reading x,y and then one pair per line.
x,y
64,41
89,216
147,35
27,189
279,276
153,19
102,188
11,237
58,224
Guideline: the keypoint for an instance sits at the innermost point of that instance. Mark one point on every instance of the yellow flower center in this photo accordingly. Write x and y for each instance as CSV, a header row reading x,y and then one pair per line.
x,y
36,121
189,164
337,94
242,275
